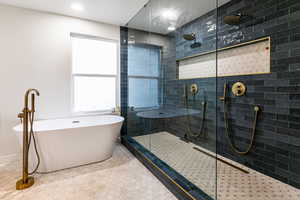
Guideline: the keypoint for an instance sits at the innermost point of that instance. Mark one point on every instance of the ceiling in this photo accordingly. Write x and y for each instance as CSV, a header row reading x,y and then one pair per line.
x,y
117,12
158,15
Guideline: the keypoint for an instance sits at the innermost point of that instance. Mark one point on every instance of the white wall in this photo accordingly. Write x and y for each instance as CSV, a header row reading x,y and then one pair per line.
x,y
35,52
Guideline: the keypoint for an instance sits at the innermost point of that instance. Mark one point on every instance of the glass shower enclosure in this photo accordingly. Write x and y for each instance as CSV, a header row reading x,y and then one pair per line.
x,y
210,93
170,115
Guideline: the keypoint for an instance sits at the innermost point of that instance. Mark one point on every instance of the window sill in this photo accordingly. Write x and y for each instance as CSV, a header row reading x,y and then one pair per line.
x,y
89,114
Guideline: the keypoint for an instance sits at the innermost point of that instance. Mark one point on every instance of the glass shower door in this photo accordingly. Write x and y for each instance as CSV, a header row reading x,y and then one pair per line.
x,y
172,93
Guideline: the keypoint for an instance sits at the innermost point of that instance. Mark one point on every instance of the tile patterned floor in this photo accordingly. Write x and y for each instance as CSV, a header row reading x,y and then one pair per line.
x,y
200,169
122,177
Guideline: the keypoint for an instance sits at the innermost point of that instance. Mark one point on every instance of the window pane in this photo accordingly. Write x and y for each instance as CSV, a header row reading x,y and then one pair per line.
x,y
94,93
143,92
91,56
143,60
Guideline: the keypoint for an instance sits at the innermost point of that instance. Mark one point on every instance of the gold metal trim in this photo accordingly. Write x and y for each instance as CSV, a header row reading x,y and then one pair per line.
x,y
222,49
166,175
223,161
227,75
226,48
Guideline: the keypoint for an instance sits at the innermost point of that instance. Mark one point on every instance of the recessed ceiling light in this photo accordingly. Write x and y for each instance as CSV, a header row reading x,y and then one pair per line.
x,y
171,28
169,14
77,6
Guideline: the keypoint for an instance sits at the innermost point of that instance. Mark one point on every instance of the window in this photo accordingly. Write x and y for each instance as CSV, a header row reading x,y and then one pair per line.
x,y
94,74
144,76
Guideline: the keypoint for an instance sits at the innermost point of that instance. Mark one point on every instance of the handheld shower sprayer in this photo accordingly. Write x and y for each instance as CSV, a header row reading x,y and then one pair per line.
x,y
223,98
193,89
185,93
27,118
238,90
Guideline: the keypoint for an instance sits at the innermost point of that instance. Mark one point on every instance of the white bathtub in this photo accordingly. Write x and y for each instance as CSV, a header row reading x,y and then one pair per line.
x,y
66,143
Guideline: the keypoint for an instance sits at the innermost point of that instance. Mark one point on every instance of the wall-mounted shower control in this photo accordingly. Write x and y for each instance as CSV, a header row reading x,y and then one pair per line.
x,y
194,89
239,89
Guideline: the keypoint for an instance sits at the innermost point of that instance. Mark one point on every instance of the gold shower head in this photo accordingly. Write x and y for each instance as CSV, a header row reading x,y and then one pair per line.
x,y
190,37
233,19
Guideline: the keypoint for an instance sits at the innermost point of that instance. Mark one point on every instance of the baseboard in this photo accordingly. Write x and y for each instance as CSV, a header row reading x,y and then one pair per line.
x,y
8,158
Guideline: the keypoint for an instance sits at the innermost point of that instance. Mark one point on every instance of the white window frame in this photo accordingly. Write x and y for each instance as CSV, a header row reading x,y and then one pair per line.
x,y
73,75
158,78
146,78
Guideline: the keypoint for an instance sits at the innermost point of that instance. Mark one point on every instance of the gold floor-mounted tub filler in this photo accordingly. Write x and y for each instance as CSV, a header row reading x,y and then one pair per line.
x,y
27,117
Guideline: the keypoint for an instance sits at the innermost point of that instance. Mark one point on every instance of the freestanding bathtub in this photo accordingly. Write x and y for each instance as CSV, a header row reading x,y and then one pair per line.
x,y
66,143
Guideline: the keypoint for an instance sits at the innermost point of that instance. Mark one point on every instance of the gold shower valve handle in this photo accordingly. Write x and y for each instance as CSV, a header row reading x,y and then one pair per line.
x,y
239,89
21,116
194,89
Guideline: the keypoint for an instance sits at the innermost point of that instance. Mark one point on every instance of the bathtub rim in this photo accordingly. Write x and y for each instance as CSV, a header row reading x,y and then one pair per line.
x,y
19,128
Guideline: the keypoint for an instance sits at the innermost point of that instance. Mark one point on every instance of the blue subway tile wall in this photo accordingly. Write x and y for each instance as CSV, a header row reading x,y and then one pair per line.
x,y
124,75
277,143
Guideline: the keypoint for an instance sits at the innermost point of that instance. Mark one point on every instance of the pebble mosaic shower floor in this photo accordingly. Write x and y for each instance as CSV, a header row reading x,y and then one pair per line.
x,y
200,169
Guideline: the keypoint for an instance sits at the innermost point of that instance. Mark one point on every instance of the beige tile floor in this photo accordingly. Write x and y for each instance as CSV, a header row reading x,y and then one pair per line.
x,y
122,177
202,170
